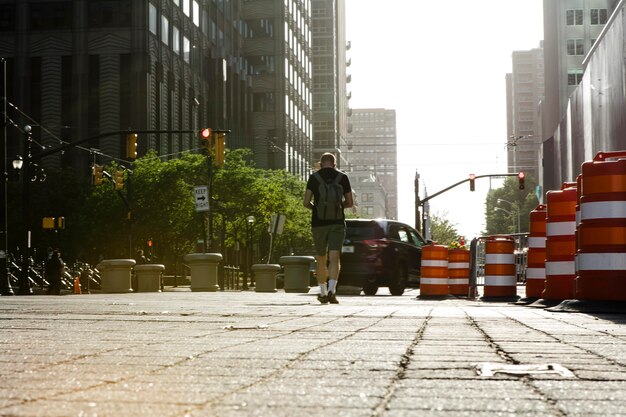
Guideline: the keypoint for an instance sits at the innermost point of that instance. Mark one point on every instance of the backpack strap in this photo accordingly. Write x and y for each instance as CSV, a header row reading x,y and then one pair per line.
x,y
339,177
318,177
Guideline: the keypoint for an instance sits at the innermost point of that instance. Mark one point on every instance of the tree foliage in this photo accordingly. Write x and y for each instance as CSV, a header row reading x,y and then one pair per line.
x,y
157,204
504,219
443,231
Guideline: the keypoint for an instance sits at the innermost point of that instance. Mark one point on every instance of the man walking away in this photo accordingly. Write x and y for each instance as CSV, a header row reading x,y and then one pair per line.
x,y
55,268
331,192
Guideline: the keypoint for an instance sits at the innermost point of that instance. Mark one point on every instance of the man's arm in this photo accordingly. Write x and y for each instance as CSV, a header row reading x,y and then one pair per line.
x,y
349,201
308,194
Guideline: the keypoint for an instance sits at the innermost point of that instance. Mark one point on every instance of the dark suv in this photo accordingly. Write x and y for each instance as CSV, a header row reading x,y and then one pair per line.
x,y
380,253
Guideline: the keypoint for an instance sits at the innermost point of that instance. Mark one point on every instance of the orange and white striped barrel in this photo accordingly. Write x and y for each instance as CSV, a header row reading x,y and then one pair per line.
x,y
602,231
536,256
500,273
458,271
434,271
560,243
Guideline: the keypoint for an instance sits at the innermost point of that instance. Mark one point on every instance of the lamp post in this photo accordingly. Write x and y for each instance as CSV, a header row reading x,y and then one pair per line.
x,y
249,222
5,285
23,164
513,207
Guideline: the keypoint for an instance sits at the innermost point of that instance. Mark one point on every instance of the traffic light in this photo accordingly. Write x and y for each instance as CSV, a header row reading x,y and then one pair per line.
x,y
131,146
219,149
205,140
97,173
472,177
520,177
119,179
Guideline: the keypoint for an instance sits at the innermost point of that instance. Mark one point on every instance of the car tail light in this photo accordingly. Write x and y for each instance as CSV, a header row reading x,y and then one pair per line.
x,y
376,243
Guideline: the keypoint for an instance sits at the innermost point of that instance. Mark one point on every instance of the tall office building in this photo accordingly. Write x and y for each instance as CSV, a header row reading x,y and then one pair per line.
x,y
80,69
330,78
570,29
372,147
525,90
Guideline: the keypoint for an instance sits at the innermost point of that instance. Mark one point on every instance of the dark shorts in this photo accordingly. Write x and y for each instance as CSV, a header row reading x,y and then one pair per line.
x,y
327,238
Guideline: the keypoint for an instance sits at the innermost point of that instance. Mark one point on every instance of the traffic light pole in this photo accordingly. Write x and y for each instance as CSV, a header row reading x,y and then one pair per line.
x,y
438,193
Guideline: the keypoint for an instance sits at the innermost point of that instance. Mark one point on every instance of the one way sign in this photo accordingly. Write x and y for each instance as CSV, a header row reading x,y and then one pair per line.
x,y
201,196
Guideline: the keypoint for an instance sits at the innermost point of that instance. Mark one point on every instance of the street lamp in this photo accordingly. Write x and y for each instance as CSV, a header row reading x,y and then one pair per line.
x,y
249,222
18,162
23,164
513,207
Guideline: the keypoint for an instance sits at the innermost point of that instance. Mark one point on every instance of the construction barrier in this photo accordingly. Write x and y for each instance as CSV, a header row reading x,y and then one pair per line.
x,y
458,271
434,271
536,256
560,243
601,255
500,274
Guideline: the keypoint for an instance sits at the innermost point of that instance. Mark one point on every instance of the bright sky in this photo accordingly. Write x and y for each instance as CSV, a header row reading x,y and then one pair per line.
x,y
441,65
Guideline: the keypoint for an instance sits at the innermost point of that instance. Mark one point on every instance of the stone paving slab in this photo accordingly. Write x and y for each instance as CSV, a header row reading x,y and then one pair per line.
x,y
188,354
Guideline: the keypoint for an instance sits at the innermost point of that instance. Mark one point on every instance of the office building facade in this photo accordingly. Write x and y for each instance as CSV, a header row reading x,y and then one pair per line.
x,y
330,79
80,69
525,91
372,147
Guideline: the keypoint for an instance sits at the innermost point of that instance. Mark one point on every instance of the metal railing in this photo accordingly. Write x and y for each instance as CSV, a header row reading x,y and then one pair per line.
x,y
477,261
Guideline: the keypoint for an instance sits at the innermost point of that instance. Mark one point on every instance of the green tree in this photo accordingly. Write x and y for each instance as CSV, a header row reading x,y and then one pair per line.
x,y
158,196
442,230
509,201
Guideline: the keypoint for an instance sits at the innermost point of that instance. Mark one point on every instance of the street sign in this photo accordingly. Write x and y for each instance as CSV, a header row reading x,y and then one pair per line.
x,y
201,197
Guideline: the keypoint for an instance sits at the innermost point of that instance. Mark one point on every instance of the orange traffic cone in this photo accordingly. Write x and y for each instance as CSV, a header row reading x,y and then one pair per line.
x,y
77,285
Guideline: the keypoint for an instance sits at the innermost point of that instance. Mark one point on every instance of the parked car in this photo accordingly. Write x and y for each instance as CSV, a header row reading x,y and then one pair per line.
x,y
380,253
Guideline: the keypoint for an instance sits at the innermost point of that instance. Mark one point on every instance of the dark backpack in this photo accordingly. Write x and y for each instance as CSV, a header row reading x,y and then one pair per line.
x,y
329,206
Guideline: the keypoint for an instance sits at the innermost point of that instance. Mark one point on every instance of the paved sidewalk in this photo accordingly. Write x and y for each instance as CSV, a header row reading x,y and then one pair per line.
x,y
276,354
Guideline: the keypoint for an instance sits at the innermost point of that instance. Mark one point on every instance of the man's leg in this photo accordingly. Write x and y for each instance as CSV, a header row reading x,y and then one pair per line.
x,y
333,270
335,242
320,239
321,269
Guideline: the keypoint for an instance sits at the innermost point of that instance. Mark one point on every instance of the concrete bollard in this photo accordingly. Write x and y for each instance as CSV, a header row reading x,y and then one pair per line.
x,y
265,277
116,275
297,271
203,270
149,277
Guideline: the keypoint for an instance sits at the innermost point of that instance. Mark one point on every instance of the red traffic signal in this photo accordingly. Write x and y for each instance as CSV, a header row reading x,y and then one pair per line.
x,y
472,177
520,177
205,133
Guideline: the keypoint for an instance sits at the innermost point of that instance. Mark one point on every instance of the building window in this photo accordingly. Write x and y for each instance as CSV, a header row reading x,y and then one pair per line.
x,y
7,18
152,18
599,16
186,49
575,47
196,13
574,17
57,15
165,30
574,76
175,40
367,197
109,13
186,8
367,211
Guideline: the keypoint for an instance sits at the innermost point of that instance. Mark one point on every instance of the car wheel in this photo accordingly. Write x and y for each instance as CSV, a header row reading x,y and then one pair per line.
x,y
370,290
399,281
